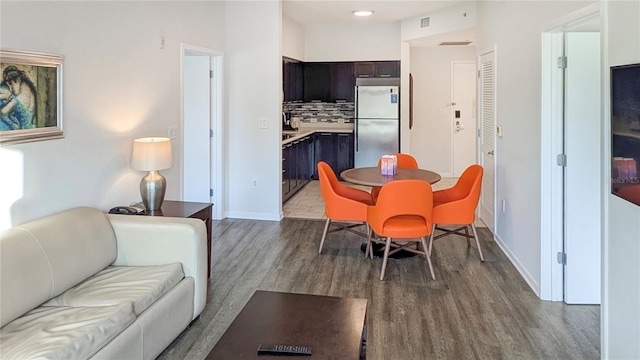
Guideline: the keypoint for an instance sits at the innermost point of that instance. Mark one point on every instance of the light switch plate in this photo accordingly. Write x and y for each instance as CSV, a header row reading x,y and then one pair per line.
x,y
442,112
262,123
499,131
173,132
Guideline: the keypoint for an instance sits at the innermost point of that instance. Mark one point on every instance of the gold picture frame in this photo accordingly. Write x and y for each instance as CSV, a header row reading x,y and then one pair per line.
x,y
30,96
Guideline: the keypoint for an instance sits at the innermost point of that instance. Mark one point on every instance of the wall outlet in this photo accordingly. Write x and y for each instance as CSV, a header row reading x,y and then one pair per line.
x,y
254,183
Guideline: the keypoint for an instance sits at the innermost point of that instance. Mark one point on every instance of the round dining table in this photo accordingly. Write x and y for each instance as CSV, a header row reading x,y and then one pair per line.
x,y
372,176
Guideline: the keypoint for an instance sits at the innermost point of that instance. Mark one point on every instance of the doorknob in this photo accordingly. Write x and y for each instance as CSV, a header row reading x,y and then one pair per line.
x,y
458,126
490,152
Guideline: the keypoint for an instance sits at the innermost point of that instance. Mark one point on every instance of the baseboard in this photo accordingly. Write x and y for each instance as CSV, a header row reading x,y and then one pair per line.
x,y
533,284
253,215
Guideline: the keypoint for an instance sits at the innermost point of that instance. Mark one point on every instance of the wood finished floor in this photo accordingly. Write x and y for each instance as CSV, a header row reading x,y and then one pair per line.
x,y
472,310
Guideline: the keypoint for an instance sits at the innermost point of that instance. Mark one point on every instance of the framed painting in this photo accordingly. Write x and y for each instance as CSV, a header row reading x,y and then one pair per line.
x,y
30,96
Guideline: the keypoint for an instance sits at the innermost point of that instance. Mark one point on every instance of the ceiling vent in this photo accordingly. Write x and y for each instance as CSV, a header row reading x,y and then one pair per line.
x,y
454,43
424,22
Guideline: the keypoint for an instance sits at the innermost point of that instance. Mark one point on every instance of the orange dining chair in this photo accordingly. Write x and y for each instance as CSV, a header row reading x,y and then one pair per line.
x,y
404,161
402,212
457,206
342,203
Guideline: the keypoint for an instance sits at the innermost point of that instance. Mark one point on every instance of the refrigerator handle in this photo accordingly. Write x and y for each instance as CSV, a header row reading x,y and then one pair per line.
x,y
356,120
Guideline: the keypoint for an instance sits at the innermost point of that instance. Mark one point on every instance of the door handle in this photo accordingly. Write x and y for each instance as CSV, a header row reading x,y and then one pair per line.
x,y
490,152
458,126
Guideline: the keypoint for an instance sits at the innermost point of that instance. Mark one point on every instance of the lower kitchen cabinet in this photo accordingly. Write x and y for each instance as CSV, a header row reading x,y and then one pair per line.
x,y
296,166
300,158
336,149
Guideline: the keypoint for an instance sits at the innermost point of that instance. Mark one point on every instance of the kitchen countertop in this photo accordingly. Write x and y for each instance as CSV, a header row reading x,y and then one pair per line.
x,y
306,131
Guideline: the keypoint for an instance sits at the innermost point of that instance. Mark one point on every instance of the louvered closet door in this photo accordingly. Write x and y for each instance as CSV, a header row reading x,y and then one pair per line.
x,y
487,137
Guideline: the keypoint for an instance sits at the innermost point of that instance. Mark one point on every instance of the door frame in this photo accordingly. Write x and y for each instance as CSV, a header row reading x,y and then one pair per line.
x,y
480,132
552,142
473,111
216,123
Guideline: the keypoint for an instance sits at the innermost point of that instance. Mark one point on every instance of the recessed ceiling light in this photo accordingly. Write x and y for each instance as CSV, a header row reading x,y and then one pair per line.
x,y
363,12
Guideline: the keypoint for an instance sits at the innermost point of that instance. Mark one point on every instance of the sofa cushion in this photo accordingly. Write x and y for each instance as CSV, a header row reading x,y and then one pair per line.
x,y
64,332
51,255
140,285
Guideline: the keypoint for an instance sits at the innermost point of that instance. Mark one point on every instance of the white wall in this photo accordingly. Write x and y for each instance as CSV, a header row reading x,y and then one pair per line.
x,y
352,43
452,18
292,39
118,85
514,28
621,250
254,86
431,133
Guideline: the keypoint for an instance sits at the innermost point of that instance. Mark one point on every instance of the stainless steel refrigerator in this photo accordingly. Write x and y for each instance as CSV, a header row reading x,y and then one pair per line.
x,y
377,120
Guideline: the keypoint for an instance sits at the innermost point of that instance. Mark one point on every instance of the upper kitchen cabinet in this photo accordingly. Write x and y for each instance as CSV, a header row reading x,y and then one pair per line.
x,y
377,69
342,82
317,81
292,79
329,82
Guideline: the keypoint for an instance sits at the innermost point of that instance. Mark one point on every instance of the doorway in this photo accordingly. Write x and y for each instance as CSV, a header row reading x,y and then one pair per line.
x,y
202,157
463,115
571,146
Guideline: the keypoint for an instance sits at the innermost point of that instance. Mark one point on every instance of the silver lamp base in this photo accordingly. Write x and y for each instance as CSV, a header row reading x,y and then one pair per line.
x,y
152,189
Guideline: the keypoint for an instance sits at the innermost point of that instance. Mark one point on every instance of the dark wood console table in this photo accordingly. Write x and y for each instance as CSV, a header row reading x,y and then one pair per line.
x,y
193,210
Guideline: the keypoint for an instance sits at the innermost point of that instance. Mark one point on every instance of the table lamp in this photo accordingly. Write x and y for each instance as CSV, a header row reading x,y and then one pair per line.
x,y
152,154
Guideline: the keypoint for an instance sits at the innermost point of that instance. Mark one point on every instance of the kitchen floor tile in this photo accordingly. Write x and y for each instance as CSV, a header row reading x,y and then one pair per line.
x,y
308,203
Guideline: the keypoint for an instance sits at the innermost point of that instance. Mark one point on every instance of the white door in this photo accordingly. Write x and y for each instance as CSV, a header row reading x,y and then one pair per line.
x,y
582,174
487,126
463,115
197,124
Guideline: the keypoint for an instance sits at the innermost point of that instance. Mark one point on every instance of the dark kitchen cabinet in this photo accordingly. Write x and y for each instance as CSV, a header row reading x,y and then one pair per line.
x,y
387,69
292,79
344,152
342,82
287,162
296,166
329,82
317,82
377,69
364,69
336,149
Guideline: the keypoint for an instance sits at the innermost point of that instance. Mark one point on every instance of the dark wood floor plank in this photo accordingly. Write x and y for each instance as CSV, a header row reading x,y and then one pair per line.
x,y
473,310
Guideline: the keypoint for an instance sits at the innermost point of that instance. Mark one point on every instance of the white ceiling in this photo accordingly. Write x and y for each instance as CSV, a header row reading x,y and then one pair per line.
x,y
334,12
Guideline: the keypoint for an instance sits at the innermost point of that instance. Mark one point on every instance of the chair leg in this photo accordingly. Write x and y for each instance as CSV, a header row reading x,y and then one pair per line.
x,y
428,256
324,234
387,246
475,235
366,253
466,234
433,230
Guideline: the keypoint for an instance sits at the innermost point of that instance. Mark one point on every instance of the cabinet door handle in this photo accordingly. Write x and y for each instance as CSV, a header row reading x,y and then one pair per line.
x,y
385,75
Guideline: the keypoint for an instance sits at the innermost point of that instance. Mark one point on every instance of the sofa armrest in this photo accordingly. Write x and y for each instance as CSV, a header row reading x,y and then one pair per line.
x,y
156,240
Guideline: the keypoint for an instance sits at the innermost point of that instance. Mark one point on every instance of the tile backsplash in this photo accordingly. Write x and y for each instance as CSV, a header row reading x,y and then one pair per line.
x,y
321,112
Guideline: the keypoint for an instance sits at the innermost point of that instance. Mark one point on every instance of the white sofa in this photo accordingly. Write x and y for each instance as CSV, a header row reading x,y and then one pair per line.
x,y
82,284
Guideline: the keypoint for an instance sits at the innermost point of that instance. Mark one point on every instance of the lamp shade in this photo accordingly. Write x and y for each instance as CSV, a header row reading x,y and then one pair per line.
x,y
151,153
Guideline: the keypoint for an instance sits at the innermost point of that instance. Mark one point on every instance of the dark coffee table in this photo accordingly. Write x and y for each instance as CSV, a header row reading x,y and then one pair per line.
x,y
333,327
